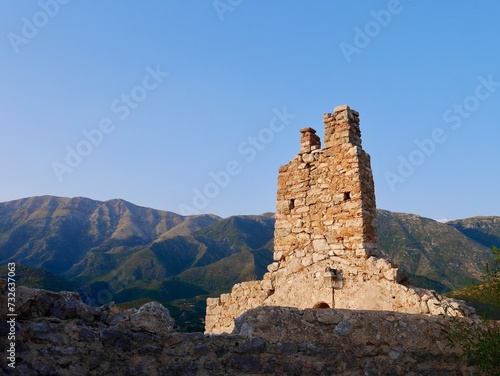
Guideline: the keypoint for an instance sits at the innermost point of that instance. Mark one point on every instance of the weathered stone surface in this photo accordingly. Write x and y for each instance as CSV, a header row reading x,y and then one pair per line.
x,y
266,340
343,328
153,317
326,220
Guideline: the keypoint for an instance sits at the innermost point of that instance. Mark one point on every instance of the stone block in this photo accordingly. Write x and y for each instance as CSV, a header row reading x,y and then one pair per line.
x,y
213,302
299,223
338,198
340,110
237,288
383,265
391,274
303,209
320,246
266,284
224,298
308,158
307,260
283,224
300,253
281,233
318,257
273,267
283,205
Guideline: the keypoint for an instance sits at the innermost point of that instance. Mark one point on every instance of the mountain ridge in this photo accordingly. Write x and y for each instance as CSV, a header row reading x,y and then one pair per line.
x,y
117,250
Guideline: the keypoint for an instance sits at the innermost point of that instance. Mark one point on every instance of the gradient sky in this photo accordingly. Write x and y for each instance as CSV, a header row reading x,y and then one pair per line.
x,y
157,98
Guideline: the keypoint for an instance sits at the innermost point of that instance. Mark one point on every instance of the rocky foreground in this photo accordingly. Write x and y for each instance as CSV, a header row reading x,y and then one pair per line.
x,y
56,334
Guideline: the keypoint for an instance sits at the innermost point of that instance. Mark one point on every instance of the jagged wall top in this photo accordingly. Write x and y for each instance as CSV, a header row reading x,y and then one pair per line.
x,y
309,141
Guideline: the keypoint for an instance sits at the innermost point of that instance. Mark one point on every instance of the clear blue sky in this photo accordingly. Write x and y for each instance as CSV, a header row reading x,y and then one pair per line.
x,y
415,70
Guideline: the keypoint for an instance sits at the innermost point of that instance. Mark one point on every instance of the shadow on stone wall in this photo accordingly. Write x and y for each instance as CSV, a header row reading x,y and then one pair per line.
x,y
59,335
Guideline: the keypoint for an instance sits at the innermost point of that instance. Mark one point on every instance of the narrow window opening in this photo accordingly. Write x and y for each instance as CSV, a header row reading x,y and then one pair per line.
x,y
347,196
291,204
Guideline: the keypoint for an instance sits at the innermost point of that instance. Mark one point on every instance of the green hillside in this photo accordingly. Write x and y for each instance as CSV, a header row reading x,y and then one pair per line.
x,y
484,230
115,250
37,278
220,276
243,232
433,254
485,297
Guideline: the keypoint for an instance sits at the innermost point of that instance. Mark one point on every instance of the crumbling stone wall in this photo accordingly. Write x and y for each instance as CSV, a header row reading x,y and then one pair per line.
x,y
325,240
56,334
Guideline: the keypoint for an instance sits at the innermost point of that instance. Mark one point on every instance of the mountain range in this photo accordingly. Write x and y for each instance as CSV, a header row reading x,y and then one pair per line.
x,y
118,251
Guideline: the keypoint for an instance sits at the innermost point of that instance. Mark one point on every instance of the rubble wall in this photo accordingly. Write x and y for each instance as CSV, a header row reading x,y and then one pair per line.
x,y
56,334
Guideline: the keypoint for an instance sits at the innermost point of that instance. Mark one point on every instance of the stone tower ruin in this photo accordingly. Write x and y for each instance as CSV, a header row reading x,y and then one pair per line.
x,y
325,238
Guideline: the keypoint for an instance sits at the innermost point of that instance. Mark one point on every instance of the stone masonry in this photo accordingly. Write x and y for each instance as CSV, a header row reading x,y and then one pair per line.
x,y
325,239
56,334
